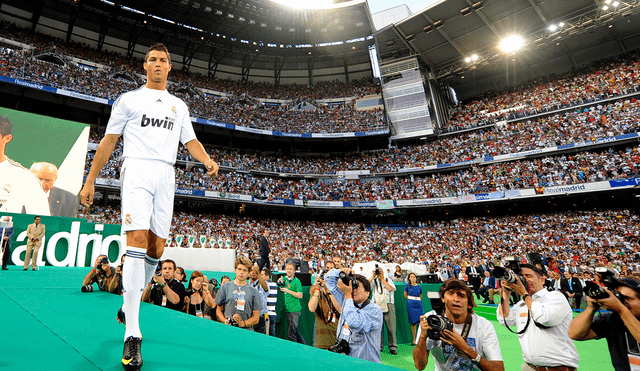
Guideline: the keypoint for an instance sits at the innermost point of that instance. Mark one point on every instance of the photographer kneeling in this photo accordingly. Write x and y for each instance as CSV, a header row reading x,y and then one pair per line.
x,y
101,273
621,326
360,324
458,339
542,320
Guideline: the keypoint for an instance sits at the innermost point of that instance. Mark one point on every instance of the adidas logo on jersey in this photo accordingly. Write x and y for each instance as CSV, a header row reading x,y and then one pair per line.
x,y
167,123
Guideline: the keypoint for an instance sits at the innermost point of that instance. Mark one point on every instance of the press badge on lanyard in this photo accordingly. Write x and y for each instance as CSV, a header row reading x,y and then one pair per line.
x,y
240,304
164,300
633,351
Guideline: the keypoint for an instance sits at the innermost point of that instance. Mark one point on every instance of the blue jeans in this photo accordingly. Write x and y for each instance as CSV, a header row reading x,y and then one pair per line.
x,y
292,330
272,325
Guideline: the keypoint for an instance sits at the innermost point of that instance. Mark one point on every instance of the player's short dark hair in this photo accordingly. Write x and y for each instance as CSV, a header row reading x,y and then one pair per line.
x,y
158,47
5,126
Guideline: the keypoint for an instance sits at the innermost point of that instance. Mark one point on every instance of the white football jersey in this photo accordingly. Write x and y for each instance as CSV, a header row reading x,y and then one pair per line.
x,y
152,123
21,191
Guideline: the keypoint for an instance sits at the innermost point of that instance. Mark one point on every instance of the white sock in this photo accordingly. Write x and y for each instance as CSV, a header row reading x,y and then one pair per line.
x,y
133,284
149,268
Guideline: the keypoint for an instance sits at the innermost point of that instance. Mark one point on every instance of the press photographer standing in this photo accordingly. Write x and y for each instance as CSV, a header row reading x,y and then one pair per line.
x,y
360,322
542,319
621,326
383,288
470,336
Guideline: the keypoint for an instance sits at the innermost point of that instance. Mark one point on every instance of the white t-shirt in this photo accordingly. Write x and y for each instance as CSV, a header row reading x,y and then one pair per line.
x,y
482,338
152,123
20,190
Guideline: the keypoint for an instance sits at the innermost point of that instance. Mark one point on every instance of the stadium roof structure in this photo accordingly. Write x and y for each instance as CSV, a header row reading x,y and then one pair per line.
x,y
246,34
558,36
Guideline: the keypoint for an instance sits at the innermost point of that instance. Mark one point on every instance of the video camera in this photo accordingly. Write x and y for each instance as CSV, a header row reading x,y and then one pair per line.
x,y
511,273
608,277
438,323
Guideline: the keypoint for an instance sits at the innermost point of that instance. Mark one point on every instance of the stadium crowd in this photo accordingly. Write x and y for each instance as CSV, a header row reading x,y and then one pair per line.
x,y
606,78
102,83
607,237
566,169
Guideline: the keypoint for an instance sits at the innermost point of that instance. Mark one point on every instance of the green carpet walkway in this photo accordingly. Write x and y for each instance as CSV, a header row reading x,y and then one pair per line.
x,y
48,324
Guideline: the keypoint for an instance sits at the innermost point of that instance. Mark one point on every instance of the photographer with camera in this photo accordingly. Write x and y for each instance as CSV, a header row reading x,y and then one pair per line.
x,y
115,285
458,338
383,288
166,291
292,288
542,320
621,326
360,324
326,310
238,302
198,296
101,273
257,281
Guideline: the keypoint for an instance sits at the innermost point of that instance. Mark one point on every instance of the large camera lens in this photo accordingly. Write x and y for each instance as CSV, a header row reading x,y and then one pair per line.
x,y
86,288
435,323
504,274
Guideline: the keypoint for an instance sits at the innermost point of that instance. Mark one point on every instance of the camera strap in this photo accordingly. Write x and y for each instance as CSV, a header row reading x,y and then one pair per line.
x,y
529,318
467,327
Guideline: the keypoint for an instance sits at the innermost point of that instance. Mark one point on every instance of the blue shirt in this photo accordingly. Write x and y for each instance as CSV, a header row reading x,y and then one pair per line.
x,y
365,323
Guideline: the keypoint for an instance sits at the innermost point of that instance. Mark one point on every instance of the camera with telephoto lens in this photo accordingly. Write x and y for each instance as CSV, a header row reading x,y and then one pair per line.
x,y
346,278
511,273
87,288
232,322
341,347
438,323
280,282
158,271
608,277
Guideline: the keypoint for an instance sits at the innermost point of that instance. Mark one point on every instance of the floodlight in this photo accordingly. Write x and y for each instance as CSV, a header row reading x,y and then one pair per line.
x,y
553,28
605,7
511,43
467,59
561,24
474,57
615,3
607,2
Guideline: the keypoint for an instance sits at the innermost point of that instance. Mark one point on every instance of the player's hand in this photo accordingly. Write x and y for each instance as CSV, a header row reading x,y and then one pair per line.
x,y
212,168
86,195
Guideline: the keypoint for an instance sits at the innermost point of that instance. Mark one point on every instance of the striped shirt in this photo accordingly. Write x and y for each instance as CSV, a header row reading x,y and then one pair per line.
x,y
272,298
365,323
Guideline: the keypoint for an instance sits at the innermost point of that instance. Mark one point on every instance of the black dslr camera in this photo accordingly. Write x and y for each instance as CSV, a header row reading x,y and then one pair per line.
x,y
377,271
608,277
438,323
346,278
341,347
104,260
511,272
232,322
280,282
214,282
158,271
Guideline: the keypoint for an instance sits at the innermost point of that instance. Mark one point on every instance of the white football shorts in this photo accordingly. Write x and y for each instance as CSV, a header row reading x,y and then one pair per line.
x,y
147,189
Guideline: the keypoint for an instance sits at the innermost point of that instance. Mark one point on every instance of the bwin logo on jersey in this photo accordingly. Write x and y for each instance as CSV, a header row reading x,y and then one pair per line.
x,y
167,123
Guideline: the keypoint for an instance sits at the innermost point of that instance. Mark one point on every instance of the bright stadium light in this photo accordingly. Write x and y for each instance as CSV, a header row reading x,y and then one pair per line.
x,y
511,43
306,4
553,27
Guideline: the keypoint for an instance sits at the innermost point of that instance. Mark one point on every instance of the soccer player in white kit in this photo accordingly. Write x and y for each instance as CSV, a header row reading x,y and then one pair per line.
x,y
152,122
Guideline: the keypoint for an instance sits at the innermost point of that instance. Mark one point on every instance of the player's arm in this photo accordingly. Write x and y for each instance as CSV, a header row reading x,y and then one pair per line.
x,y
103,153
196,150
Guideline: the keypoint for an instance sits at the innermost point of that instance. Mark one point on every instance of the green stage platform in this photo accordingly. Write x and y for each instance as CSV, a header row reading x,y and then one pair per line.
x,y
48,324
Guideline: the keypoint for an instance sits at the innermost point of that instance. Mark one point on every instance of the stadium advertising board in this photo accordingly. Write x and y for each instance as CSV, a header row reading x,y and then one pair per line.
x,y
44,166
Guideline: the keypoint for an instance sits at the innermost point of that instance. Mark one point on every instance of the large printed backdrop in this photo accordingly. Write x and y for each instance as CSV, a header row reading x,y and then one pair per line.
x,y
39,138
